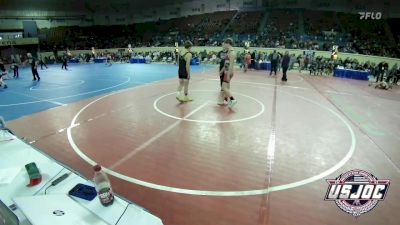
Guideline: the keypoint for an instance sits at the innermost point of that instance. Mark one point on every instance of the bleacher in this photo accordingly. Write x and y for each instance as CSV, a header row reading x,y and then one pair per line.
x,y
246,22
284,20
282,26
318,21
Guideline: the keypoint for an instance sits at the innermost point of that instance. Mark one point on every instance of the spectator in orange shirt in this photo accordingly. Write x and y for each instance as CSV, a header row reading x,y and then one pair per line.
x,y
247,60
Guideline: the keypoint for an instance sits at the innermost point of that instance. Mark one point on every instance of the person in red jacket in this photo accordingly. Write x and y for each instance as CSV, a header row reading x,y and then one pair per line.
x,y
247,60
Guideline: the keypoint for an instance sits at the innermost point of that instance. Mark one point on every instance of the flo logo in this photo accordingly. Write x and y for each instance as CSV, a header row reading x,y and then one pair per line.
x,y
356,191
370,15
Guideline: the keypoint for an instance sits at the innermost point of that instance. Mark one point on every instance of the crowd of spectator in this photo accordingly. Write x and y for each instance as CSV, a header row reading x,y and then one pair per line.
x,y
286,29
278,28
315,65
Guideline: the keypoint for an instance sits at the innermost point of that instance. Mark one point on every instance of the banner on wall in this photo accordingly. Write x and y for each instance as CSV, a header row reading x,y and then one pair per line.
x,y
19,41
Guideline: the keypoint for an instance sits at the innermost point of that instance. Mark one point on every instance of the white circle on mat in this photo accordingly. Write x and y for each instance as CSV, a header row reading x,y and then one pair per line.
x,y
261,110
218,193
60,86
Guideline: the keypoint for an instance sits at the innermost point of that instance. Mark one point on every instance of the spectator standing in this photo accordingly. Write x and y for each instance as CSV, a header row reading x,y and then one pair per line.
x,y
3,73
65,60
15,69
274,58
32,60
41,62
247,60
285,65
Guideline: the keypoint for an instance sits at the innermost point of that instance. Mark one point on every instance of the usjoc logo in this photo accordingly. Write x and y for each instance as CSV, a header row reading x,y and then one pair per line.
x,y
370,15
356,191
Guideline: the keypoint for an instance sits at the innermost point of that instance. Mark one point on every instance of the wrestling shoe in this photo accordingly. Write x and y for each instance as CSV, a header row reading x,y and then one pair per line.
x,y
187,99
232,103
180,98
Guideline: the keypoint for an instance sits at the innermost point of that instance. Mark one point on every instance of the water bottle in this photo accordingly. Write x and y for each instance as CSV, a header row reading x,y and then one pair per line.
x,y
2,123
103,186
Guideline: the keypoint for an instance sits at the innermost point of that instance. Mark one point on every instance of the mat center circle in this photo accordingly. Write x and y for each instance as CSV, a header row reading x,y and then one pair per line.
x,y
261,108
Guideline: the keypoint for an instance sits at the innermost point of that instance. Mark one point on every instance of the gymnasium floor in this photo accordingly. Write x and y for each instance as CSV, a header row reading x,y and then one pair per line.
x,y
264,162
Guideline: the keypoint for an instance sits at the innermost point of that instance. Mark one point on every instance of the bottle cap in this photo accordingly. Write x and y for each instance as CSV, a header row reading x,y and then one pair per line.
x,y
97,168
